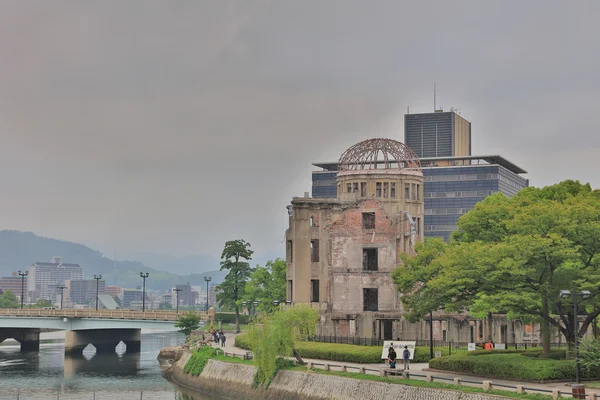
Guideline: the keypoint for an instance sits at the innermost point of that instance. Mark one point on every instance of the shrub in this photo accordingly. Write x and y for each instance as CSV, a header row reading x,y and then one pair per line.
x,y
507,366
242,342
198,360
230,318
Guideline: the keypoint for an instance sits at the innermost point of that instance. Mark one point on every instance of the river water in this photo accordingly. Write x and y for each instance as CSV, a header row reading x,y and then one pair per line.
x,y
49,374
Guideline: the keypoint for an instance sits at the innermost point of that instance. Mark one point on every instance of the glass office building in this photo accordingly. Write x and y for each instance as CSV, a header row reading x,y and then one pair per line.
x,y
453,185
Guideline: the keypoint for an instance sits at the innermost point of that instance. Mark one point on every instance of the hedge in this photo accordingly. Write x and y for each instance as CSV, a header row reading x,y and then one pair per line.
x,y
198,360
507,366
342,352
230,318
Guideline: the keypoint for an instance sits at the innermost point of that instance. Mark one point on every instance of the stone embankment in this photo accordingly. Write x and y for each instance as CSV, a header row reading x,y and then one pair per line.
x,y
235,381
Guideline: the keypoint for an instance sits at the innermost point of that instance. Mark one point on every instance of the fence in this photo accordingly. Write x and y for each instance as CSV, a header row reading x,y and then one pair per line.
x,y
451,346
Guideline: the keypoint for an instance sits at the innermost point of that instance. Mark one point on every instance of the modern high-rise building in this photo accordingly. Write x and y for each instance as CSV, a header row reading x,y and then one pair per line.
x,y
82,291
212,296
132,298
437,134
44,277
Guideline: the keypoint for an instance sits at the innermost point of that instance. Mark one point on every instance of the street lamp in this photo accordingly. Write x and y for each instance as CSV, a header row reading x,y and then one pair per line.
x,y
23,275
178,290
97,278
584,294
207,279
144,276
61,295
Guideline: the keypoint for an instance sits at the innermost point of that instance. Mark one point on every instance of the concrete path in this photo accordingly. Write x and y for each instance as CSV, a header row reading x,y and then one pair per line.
x,y
423,369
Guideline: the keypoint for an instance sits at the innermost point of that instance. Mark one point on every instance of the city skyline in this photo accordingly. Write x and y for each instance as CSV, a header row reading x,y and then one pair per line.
x,y
173,128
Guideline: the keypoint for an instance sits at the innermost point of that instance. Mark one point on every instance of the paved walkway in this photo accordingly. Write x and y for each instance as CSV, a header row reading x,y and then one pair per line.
x,y
422,369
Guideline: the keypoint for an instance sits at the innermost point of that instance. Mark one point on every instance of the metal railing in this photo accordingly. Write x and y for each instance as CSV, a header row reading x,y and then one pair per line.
x,y
161,315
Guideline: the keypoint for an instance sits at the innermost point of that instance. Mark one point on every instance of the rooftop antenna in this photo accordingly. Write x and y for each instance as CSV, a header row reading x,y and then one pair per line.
x,y
408,109
434,102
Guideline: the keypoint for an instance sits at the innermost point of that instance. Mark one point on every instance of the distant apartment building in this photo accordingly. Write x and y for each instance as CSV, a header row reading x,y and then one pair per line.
x,y
185,294
44,277
168,299
82,291
14,283
131,297
114,291
212,296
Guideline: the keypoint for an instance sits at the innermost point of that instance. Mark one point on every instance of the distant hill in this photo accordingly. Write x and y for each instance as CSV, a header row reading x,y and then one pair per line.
x,y
18,250
193,264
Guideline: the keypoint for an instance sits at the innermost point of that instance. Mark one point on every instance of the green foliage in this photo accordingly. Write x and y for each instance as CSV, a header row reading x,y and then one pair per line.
x,y
41,303
506,366
341,352
198,360
513,255
233,287
589,352
267,284
276,337
9,300
187,323
228,318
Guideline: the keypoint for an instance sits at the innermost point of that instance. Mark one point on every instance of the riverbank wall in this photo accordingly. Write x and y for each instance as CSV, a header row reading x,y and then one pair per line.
x,y
235,381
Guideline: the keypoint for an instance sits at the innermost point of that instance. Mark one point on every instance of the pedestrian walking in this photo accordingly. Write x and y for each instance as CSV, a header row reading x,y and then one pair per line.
x,y
406,357
223,339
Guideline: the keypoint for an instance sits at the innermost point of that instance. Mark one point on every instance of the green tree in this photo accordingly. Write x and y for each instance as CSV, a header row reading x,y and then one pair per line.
x,y
8,300
41,303
187,323
276,336
235,257
267,285
514,255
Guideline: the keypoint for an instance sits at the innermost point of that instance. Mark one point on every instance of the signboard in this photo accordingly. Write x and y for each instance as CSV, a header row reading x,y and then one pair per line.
x,y
438,353
500,346
398,347
471,347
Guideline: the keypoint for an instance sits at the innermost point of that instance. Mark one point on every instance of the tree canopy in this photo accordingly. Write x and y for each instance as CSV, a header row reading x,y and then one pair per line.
x,y
267,285
514,255
9,300
235,257
187,323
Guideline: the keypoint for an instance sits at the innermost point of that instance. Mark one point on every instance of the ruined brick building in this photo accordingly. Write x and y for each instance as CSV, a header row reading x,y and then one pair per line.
x,y
341,251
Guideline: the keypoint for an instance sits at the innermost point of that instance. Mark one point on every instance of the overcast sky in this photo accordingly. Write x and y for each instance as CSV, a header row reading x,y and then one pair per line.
x,y
173,126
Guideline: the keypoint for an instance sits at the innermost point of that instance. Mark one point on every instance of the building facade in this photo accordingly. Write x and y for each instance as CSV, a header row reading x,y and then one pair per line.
x,y
437,134
82,291
15,284
132,298
44,277
341,251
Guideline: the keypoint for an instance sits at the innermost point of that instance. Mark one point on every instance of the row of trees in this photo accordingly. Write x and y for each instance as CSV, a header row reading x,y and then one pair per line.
x,y
9,300
265,285
514,255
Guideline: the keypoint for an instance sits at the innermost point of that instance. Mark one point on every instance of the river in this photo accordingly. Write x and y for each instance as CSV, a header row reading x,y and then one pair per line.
x,y
49,374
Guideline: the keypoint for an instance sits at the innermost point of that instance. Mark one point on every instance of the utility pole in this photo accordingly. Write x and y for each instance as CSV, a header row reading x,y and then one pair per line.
x,y
177,291
23,275
144,276
207,279
97,278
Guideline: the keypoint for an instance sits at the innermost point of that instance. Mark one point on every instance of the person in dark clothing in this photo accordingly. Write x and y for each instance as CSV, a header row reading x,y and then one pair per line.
x,y
223,339
392,357
406,357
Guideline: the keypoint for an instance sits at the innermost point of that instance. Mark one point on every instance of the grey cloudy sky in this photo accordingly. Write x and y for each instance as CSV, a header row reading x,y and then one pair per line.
x,y
173,126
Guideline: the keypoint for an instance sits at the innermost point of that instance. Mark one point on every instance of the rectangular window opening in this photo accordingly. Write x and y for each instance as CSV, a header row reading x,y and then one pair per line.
x,y
370,260
355,187
386,189
314,291
314,250
407,191
370,300
363,189
290,294
349,187
392,190
378,189
368,220
290,251
418,192
311,221
413,194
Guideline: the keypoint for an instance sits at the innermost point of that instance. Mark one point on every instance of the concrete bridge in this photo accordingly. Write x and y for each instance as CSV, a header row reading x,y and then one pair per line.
x,y
104,329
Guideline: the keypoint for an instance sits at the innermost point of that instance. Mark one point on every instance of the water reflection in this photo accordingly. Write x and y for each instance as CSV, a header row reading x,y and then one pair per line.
x,y
106,364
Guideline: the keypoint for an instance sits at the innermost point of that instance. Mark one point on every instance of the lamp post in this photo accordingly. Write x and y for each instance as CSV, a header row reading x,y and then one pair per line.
x,y
61,295
431,335
23,275
207,279
97,278
177,291
584,294
144,276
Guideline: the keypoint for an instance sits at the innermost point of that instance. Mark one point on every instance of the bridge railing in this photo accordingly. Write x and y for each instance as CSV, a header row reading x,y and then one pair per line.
x,y
160,315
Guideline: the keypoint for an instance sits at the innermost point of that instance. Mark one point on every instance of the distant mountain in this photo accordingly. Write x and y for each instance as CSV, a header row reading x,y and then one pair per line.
x,y
18,250
193,264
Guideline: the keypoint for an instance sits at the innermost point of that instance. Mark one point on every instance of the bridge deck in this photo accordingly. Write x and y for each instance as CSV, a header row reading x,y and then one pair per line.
x,y
91,313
